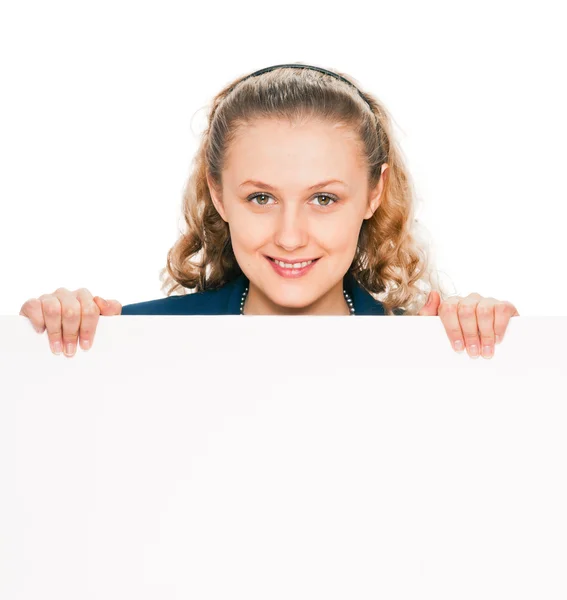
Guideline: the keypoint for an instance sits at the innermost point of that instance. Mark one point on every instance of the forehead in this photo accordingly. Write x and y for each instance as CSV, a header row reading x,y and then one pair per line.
x,y
277,150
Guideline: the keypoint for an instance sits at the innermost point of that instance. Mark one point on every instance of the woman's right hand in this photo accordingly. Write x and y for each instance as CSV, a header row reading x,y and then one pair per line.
x,y
68,316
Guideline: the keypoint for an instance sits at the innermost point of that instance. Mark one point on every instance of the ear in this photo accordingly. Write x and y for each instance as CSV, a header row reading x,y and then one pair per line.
x,y
376,193
216,198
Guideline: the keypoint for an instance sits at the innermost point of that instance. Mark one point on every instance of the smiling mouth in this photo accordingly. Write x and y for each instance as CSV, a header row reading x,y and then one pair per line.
x,y
293,266
295,262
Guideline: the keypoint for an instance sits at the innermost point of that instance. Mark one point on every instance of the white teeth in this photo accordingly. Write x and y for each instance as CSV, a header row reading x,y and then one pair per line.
x,y
294,265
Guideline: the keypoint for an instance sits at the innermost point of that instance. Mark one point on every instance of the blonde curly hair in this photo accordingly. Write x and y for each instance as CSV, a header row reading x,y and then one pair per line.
x,y
390,262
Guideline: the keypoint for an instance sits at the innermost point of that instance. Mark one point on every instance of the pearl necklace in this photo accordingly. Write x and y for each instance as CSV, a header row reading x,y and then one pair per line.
x,y
347,298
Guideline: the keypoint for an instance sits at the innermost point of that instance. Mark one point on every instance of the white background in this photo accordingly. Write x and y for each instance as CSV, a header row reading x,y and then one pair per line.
x,y
102,104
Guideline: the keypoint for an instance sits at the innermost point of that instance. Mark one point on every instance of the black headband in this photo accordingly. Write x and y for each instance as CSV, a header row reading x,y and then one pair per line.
x,y
313,69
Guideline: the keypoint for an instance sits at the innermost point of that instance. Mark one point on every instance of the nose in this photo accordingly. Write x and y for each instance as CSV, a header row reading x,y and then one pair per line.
x,y
291,228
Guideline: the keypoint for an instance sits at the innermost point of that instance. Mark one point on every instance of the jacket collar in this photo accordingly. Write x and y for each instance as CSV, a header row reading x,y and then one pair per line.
x,y
363,302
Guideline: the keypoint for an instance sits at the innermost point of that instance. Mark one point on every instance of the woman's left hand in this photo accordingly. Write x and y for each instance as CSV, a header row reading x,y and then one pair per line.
x,y
465,319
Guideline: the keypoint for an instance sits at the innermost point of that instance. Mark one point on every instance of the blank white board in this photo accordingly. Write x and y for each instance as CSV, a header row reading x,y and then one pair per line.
x,y
211,457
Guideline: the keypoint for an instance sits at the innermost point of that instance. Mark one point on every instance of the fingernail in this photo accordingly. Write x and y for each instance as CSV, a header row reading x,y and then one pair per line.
x,y
56,347
487,351
458,346
69,349
498,339
474,351
85,344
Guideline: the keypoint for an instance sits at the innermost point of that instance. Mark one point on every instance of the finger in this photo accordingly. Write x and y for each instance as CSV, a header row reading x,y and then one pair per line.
x,y
431,307
450,320
89,318
32,310
469,324
503,311
485,319
108,308
51,309
70,320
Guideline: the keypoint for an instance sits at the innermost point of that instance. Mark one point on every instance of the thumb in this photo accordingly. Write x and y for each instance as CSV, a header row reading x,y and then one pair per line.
x,y
108,308
431,307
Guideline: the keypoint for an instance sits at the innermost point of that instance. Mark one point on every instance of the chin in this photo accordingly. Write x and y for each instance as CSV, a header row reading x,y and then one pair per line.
x,y
293,299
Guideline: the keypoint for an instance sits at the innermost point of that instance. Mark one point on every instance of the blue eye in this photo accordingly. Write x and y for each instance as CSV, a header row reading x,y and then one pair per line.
x,y
331,197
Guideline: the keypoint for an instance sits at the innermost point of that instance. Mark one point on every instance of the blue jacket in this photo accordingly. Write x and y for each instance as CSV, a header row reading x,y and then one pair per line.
x,y
226,301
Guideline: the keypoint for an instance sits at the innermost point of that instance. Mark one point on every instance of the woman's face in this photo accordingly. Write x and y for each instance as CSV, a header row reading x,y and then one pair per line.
x,y
294,216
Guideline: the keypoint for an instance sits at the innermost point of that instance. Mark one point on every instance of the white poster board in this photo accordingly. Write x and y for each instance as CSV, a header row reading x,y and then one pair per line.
x,y
211,457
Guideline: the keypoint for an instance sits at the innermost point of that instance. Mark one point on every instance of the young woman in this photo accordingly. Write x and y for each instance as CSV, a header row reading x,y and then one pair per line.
x,y
299,203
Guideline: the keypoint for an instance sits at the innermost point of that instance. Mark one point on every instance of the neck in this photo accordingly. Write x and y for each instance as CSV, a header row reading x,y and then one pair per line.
x,y
332,303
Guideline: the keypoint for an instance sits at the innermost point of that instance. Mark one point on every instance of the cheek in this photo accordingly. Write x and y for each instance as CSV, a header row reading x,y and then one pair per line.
x,y
248,234
340,234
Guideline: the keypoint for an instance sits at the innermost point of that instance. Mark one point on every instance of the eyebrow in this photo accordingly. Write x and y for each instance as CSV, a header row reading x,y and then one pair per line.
x,y
269,187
